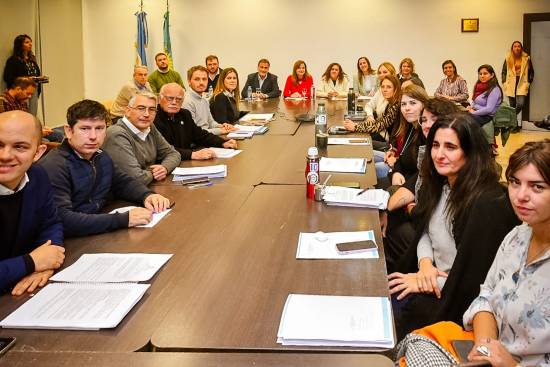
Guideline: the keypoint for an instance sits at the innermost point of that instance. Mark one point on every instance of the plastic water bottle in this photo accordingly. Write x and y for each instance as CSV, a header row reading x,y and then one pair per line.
x,y
249,93
351,101
321,135
210,92
312,171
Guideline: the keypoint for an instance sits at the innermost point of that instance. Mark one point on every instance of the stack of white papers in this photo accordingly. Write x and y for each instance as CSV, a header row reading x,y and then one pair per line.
x,y
336,321
348,165
257,117
96,295
156,216
348,141
256,130
323,245
225,153
346,196
364,98
183,173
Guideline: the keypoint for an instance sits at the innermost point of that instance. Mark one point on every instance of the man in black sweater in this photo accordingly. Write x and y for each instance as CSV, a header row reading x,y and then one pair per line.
x,y
179,129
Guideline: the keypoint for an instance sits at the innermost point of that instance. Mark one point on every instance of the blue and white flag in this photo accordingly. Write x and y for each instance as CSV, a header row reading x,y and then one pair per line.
x,y
167,43
142,38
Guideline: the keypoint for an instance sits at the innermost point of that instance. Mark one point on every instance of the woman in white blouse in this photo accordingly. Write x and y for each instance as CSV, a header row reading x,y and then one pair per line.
x,y
511,316
365,83
334,82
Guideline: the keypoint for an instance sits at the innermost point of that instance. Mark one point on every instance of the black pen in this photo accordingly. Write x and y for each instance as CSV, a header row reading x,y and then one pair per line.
x,y
362,191
171,205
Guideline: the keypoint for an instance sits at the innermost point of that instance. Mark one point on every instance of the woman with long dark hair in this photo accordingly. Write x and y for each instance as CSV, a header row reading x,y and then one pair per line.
x,y
462,215
334,82
22,63
509,318
487,95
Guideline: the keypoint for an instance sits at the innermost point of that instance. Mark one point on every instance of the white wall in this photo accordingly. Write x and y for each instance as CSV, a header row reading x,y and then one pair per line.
x,y
62,58
242,31
12,23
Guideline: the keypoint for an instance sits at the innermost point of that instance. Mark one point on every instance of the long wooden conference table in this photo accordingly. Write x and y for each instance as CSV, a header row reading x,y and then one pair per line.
x,y
220,297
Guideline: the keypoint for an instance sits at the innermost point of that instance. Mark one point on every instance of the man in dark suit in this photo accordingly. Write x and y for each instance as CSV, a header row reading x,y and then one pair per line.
x,y
178,128
32,233
264,80
214,70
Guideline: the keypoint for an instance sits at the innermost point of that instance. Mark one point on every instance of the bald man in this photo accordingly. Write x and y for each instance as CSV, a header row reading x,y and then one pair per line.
x,y
138,83
179,129
31,231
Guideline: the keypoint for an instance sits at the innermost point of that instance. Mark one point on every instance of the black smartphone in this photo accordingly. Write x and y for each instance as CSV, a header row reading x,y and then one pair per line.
x,y
5,344
345,248
462,348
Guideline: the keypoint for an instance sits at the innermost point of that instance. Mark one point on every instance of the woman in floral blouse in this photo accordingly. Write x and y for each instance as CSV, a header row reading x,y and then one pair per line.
x,y
511,315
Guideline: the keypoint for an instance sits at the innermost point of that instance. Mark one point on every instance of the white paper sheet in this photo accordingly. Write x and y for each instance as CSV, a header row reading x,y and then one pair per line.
x,y
346,196
225,153
76,306
364,98
349,165
112,268
323,245
348,141
204,170
154,221
336,321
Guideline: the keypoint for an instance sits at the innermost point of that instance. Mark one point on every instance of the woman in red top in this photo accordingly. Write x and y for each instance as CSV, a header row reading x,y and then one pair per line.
x,y
299,83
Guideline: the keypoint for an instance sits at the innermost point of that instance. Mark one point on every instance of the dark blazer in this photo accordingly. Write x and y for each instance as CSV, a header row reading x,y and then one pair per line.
x,y
82,188
478,235
182,132
38,223
269,86
224,109
212,83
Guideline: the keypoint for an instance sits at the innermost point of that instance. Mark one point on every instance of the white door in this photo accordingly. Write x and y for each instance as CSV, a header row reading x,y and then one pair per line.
x,y
539,100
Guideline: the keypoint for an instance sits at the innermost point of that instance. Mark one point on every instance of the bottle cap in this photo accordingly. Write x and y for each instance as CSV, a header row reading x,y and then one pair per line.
x,y
312,152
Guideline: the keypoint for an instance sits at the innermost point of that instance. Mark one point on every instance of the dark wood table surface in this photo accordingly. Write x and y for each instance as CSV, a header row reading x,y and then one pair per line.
x,y
70,359
236,300
234,246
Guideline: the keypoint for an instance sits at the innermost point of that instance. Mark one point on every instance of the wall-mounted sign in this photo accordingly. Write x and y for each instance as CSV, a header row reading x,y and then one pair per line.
x,y
470,25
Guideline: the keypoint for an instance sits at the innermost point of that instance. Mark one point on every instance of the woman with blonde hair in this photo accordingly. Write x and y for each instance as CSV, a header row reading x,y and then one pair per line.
x,y
365,83
334,82
224,104
299,83
406,72
517,75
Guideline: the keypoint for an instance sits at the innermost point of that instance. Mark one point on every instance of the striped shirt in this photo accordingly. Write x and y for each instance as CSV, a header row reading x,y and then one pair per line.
x,y
457,90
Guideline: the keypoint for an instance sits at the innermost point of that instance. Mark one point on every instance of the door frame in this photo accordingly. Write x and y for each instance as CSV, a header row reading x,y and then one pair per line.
x,y
528,19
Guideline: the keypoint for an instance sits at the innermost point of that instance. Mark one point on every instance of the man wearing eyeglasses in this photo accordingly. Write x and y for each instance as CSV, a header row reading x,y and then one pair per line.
x,y
179,129
136,146
84,177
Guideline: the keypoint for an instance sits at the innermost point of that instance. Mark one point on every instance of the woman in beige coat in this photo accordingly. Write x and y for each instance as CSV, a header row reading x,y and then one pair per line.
x,y
517,75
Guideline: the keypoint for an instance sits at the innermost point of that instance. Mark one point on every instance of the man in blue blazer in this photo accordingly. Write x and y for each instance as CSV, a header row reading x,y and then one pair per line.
x,y
30,230
264,80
